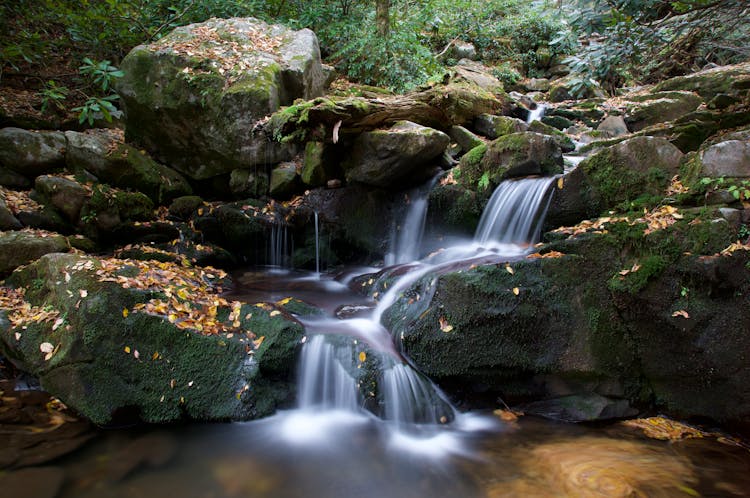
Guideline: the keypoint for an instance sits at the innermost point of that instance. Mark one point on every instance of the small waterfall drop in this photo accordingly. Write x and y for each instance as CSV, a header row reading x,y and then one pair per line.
x,y
406,239
324,381
536,114
317,245
515,212
280,246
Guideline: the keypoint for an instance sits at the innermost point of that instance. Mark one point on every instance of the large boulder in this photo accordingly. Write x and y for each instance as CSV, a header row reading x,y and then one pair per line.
x,y
510,156
492,126
658,319
7,220
31,153
652,108
403,153
25,246
193,97
728,80
570,88
636,170
104,155
113,350
728,157
64,194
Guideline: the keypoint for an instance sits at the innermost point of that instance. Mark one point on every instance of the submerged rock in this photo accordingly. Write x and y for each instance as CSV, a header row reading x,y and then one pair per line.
x,y
193,97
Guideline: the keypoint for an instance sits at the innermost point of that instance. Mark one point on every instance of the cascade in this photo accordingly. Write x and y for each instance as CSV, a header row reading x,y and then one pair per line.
x,y
317,245
406,237
536,114
280,246
330,367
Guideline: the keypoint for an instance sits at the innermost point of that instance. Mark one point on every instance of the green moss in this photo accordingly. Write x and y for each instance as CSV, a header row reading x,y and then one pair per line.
x,y
650,268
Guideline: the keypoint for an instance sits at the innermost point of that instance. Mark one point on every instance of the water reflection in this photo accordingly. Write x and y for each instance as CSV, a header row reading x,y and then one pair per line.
x,y
298,454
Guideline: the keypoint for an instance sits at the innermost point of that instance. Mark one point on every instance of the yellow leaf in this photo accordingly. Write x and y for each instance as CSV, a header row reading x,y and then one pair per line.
x,y
155,356
444,325
182,293
509,269
362,356
275,313
125,312
516,291
284,301
257,342
560,183
127,349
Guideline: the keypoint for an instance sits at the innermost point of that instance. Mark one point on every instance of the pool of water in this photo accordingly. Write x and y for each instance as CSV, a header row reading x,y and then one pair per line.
x,y
336,455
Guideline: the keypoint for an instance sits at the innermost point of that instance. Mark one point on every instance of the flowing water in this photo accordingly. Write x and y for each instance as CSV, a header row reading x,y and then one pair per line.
x,y
536,114
368,424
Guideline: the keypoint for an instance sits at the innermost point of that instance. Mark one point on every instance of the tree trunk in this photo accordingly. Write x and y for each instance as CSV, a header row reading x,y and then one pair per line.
x,y
382,18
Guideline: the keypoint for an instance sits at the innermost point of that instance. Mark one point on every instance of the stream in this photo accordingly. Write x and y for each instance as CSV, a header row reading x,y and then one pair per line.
x,y
404,439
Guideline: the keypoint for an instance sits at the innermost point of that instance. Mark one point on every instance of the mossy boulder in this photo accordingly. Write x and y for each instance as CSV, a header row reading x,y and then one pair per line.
x,y
110,365
729,156
392,158
104,155
319,165
652,108
22,247
510,156
564,141
563,89
193,97
492,126
244,183
285,181
108,209
729,80
31,153
464,138
66,195
543,331
635,170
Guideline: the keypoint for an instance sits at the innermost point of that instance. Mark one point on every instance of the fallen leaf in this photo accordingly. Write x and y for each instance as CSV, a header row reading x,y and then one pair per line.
x,y
57,323
275,313
682,313
560,182
125,312
516,291
136,354
127,349
509,269
83,292
362,356
46,347
444,325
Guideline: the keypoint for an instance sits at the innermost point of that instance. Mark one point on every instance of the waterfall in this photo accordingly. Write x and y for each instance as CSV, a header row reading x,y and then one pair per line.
x,y
280,246
536,114
317,245
324,378
329,370
406,238
515,213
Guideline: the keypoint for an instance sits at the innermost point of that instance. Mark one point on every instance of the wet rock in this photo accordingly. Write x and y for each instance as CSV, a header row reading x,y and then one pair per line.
x,y
588,407
22,247
46,218
558,122
103,154
733,216
31,153
479,75
11,179
196,111
492,126
319,165
403,153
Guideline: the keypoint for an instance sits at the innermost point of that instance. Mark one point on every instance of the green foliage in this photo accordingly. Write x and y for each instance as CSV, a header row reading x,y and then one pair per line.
x,y
95,105
53,94
484,181
740,189
507,74
101,73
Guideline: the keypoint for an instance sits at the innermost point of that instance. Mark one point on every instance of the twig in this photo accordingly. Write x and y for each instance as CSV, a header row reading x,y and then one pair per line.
x,y
447,47
170,21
